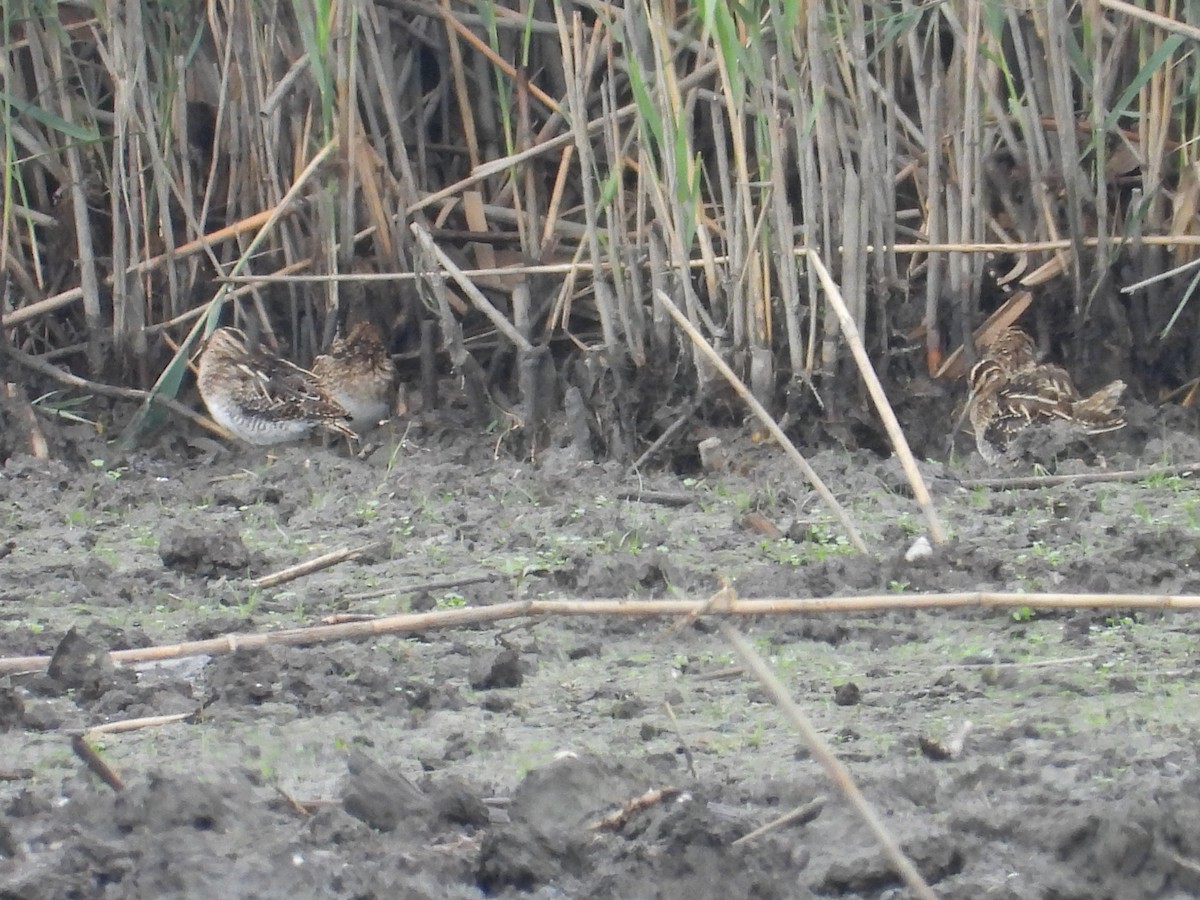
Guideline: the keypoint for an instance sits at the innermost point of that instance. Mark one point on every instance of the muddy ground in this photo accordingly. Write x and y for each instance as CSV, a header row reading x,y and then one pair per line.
x,y
473,762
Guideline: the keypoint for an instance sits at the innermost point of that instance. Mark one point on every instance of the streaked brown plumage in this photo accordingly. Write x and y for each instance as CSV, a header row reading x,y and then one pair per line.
x,y
1013,349
1011,391
359,374
262,398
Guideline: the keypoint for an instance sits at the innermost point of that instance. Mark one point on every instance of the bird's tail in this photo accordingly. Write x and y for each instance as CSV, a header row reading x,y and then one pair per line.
x,y
1102,410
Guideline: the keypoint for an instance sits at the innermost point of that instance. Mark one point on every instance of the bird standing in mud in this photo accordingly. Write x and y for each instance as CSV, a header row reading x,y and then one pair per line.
x,y
358,374
261,398
1010,392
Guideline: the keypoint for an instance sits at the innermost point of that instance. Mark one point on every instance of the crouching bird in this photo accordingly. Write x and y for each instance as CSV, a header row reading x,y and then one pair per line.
x,y
1011,392
262,398
358,374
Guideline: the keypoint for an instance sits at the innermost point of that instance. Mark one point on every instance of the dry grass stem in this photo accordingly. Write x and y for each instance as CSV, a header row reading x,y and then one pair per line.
x,y
801,815
1035,482
95,763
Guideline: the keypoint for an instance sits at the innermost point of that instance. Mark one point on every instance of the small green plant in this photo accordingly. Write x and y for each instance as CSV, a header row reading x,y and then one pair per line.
x,y
898,587
451,601
1191,513
111,474
57,403
1023,614
366,510
1052,555
1165,481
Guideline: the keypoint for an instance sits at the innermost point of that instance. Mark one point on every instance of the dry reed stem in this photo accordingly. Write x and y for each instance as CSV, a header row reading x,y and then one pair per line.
x,y
291,573
895,432
1190,240
473,293
765,417
124,726
834,767
412,622
581,266
67,297
1163,22
38,448
1008,313
95,763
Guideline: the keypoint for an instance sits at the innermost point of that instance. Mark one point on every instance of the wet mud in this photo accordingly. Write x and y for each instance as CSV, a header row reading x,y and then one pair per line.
x,y
1014,753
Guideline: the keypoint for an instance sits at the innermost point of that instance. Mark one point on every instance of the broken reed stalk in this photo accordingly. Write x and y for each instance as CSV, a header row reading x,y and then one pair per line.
x,y
801,815
834,767
38,448
503,325
451,618
1001,247
95,763
107,390
879,397
291,573
765,417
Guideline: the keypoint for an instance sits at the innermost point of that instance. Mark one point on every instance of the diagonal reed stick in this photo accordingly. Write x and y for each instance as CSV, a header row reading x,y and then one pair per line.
x,y
834,767
765,417
875,389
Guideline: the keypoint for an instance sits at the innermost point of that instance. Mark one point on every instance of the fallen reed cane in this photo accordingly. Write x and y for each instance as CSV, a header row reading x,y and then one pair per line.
x,y
450,618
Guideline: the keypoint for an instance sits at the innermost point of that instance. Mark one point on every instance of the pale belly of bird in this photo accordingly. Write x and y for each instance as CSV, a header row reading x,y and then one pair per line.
x,y
366,410
256,429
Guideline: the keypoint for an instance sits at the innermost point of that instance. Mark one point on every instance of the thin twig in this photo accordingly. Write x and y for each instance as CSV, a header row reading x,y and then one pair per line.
x,y
97,766
618,819
683,744
108,390
662,498
473,293
126,725
439,584
291,573
1043,481
1034,664
801,815
834,767
666,437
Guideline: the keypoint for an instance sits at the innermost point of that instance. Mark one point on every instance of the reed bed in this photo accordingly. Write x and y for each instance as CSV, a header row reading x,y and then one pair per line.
x,y
512,183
